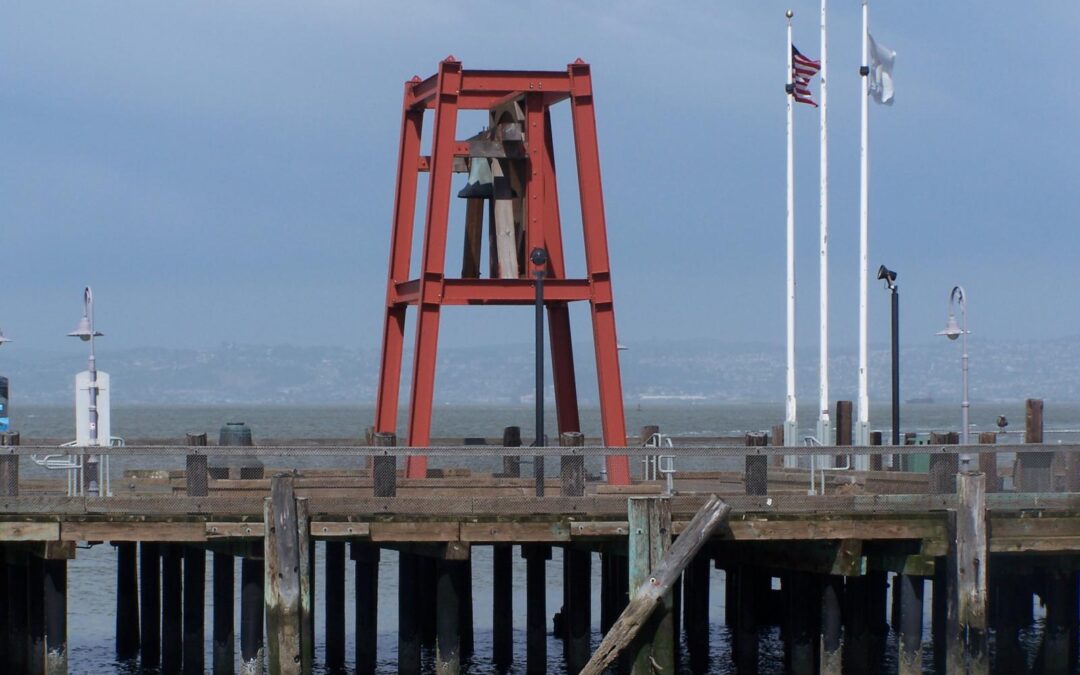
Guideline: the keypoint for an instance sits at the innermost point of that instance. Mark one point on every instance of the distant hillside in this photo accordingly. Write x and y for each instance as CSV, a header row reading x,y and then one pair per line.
x,y
668,370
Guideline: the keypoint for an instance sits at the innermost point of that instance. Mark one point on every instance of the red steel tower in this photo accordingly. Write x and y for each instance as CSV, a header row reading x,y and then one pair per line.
x,y
515,162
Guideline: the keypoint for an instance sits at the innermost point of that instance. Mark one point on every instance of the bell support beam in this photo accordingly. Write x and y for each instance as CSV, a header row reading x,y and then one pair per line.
x,y
434,259
596,261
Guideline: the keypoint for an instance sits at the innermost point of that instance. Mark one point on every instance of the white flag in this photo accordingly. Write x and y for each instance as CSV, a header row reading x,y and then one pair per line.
x,y
881,64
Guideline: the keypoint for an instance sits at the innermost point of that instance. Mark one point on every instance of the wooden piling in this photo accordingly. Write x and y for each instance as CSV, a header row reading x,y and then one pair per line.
x,y
803,600
1058,653
649,522
426,584
35,614
447,617
224,638
511,463
150,602
536,557
127,601
366,557
55,596
696,611
194,609
408,614
252,579
285,563
172,609
502,608
756,478
334,606
384,474
579,610
968,562
1034,469
909,640
17,636
832,597
939,607
466,638
744,639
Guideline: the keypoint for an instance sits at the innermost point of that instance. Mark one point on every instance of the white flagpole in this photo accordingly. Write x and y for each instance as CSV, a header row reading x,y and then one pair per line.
x,y
791,424
862,427
824,426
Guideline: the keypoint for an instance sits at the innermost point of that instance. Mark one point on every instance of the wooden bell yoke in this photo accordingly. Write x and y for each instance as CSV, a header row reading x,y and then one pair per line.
x,y
512,168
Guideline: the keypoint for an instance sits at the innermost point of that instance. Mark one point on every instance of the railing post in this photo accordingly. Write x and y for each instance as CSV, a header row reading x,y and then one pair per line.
x,y
1034,468
988,461
196,469
384,474
756,478
511,438
9,466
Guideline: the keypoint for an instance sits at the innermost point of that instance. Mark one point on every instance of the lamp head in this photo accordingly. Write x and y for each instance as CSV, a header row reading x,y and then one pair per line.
x,y
3,339
539,257
952,329
83,331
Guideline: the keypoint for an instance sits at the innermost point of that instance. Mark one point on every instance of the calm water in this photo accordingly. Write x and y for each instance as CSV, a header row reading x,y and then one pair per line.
x,y
92,573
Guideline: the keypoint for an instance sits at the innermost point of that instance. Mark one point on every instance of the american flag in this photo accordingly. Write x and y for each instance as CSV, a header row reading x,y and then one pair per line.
x,y
802,69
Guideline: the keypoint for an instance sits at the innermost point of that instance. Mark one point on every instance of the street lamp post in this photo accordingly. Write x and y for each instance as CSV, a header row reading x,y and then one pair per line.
x,y
953,331
889,277
539,258
85,332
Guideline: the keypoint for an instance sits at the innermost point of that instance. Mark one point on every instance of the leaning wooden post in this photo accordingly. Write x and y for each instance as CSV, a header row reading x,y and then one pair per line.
x,y
1034,468
127,601
650,537
283,585
56,659
649,595
967,611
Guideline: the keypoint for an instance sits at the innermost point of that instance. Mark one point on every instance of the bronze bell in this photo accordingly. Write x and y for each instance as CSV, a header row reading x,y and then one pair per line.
x,y
480,184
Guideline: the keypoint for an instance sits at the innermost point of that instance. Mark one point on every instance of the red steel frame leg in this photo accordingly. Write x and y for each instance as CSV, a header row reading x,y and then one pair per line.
x,y
434,259
599,271
386,406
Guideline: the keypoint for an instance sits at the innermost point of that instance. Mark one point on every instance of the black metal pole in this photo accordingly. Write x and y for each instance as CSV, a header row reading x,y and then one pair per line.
x,y
538,256
895,365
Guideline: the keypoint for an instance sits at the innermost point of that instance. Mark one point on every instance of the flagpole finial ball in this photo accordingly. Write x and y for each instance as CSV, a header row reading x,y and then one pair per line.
x,y
789,14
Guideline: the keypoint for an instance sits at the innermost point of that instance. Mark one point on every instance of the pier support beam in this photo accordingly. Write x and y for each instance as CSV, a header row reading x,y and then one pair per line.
x,y
650,537
150,602
55,596
16,635
366,557
287,585
447,617
127,601
194,610
1058,652
408,613
536,557
502,609
909,588
334,606
35,614
967,606
224,640
172,610
803,601
579,610
252,573
696,611
832,598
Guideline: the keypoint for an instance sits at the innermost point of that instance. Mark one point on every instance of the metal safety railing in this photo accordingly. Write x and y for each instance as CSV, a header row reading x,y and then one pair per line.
x,y
75,466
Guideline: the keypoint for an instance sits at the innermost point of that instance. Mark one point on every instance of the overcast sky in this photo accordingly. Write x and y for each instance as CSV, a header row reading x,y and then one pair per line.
x,y
225,171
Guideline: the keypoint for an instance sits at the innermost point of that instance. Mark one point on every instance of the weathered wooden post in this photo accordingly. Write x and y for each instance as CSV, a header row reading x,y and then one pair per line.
x,y
127,601
877,462
777,442
909,640
465,607
56,652
502,609
447,617
286,561
35,614
696,611
408,614
196,471
744,638
832,593
511,463
650,538
844,422
172,609
536,557
194,609
334,606
968,562
803,599
384,474
757,466
366,557
150,602
988,461
16,636
1034,468
224,638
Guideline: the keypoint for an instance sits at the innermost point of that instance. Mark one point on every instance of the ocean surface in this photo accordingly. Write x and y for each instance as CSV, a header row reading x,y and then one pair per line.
x,y
91,581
